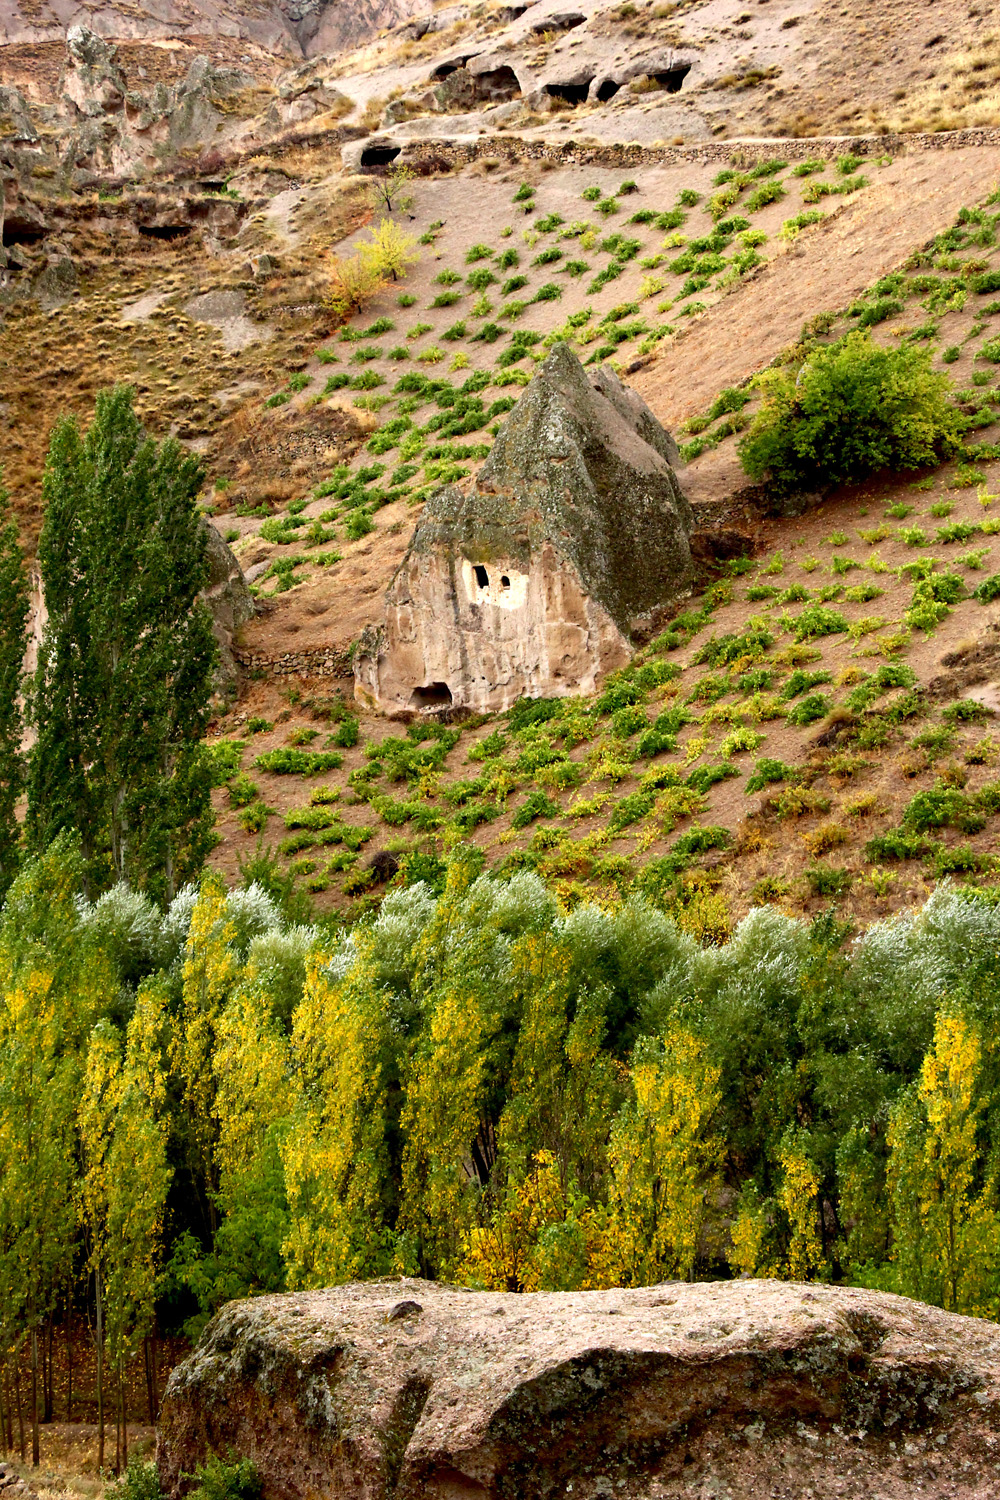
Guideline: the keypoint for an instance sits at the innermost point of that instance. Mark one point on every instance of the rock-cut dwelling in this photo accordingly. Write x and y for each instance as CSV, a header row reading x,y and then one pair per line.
x,y
532,582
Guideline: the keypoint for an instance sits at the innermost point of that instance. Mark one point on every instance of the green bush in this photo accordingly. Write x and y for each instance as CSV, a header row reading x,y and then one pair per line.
x,y
816,620
224,759
140,1481
253,819
236,1480
289,762
815,706
988,590
358,524
767,771
848,410
896,845
941,806
242,790
825,880
538,805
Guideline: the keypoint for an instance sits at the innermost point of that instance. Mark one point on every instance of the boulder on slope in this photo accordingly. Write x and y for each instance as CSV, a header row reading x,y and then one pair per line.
x,y
736,1389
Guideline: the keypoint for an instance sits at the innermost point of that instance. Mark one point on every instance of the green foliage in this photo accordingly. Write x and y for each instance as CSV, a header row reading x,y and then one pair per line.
x,y
988,590
767,771
140,1481
851,408
13,635
287,761
236,1480
537,805
477,1083
120,697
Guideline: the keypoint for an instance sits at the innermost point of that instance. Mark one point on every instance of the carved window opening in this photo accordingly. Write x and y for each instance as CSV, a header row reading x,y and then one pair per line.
x,y
482,577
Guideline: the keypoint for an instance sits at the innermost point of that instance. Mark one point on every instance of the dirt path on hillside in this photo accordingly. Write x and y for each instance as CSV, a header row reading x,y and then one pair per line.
x,y
906,204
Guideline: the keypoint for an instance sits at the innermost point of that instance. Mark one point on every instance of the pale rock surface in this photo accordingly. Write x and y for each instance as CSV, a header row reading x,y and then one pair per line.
x,y
739,1389
573,535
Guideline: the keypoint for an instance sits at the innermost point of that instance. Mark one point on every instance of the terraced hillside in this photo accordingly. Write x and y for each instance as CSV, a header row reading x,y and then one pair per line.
x,y
815,724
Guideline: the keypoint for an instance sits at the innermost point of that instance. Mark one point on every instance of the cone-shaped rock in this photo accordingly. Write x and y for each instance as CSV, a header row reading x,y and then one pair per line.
x,y
530,584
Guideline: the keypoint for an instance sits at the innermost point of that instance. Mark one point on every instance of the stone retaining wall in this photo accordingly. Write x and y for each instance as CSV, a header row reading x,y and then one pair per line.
x,y
731,152
322,661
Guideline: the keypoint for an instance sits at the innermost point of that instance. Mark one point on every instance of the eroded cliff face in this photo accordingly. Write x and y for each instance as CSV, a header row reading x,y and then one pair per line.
x,y
530,584
412,1391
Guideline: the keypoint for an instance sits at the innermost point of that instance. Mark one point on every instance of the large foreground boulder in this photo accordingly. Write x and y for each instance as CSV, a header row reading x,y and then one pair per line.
x,y
531,582
733,1389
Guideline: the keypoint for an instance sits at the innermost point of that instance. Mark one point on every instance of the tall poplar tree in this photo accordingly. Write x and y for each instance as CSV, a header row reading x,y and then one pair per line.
x,y
120,698
13,617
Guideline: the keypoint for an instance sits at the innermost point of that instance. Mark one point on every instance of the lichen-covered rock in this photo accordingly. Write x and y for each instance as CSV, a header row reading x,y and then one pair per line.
x,y
739,1389
531,583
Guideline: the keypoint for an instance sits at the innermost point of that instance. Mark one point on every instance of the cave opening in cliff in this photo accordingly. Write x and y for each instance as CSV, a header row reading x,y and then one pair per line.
x,y
21,235
482,577
431,695
569,93
379,156
671,80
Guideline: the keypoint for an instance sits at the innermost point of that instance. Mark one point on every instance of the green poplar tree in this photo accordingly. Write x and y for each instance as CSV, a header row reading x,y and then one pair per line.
x,y
121,694
13,617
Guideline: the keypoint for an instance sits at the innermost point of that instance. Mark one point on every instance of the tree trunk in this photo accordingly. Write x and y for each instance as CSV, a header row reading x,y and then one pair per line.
x,y
20,1411
49,1376
3,1416
35,1459
9,1434
100,1374
149,1380
69,1359
124,1420
154,1361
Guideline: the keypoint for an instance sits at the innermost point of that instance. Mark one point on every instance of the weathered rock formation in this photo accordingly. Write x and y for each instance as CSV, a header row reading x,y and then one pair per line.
x,y
294,27
231,603
739,1389
575,531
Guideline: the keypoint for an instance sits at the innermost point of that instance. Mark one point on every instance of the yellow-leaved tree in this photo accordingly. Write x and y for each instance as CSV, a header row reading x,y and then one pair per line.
x,y
664,1161
451,1081
123,1136
334,1151
210,975
442,1119
533,1225
780,1236
946,1230
253,1104
53,982
386,255
798,1198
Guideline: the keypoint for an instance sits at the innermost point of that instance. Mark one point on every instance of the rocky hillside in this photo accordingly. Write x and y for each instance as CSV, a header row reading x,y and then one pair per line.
x,y
288,28
170,214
